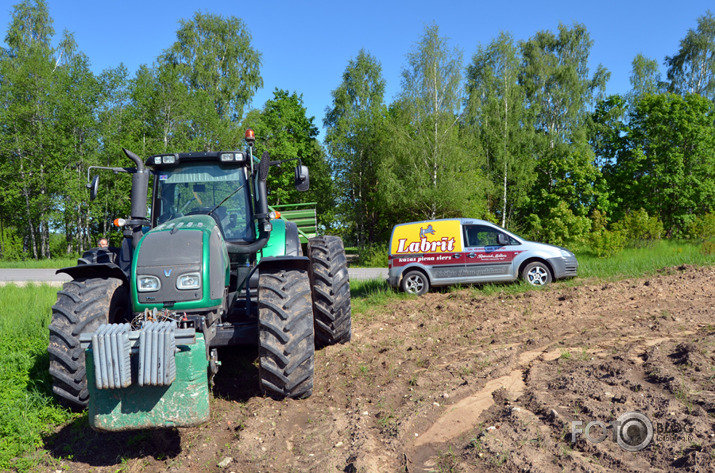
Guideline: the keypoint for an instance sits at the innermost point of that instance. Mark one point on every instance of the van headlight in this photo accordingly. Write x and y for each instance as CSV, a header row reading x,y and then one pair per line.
x,y
148,283
566,253
188,281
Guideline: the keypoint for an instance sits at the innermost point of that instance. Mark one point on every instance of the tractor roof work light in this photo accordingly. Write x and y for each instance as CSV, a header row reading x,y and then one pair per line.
x,y
250,137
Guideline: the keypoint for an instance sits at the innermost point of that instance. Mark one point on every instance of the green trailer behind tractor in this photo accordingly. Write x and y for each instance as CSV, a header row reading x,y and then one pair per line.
x,y
134,334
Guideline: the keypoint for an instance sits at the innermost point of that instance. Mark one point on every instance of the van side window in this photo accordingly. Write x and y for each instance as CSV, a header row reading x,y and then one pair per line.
x,y
481,235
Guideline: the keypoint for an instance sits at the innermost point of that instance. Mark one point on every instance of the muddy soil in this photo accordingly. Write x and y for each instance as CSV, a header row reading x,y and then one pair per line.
x,y
548,380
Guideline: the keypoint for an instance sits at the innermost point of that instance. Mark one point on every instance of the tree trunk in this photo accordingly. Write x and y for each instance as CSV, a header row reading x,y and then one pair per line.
x,y
506,160
28,209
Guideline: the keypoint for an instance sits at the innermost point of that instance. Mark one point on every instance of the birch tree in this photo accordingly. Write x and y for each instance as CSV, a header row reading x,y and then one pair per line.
x,y
430,173
497,115
354,131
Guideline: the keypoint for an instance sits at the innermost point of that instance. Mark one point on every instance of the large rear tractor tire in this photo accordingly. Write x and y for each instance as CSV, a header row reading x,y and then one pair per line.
x,y
82,306
286,349
331,291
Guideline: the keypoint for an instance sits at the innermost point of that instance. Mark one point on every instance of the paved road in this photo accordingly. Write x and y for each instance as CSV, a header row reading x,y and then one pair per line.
x,y
23,276
362,274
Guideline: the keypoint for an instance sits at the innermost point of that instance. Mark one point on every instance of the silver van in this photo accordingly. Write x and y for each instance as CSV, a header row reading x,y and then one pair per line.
x,y
452,251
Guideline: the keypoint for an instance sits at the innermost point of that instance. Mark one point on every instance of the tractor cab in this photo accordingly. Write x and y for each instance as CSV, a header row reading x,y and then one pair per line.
x,y
204,185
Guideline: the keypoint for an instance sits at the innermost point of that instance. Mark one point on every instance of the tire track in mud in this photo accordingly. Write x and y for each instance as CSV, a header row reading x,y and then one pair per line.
x,y
463,416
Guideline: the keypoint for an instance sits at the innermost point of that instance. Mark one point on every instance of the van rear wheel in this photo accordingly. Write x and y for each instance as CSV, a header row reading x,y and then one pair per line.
x,y
415,282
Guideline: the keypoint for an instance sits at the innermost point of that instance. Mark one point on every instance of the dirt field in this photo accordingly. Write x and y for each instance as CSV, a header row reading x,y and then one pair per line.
x,y
464,382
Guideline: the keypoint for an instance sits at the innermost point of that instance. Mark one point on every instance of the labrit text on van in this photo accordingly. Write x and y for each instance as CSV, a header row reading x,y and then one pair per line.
x,y
445,244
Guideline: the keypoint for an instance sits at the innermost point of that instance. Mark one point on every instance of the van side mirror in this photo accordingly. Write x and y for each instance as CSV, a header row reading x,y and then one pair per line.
x,y
93,188
302,178
502,239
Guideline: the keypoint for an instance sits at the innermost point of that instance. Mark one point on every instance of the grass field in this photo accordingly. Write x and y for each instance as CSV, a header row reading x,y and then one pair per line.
x,y
27,409
635,262
43,263
28,412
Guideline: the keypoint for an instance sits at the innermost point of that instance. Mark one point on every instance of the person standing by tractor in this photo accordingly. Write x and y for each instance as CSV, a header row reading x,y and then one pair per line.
x,y
103,243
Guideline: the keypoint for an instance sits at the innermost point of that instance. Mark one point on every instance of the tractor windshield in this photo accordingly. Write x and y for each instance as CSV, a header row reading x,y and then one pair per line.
x,y
191,190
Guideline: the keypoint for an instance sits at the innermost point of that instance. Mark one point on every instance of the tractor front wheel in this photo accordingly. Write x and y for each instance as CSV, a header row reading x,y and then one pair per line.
x,y
82,306
286,347
331,290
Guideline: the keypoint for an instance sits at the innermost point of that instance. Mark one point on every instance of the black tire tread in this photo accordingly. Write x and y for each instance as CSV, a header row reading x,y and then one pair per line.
x,y
331,290
286,352
82,306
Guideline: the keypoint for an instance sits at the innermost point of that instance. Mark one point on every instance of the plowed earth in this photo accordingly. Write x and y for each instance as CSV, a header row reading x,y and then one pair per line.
x,y
459,381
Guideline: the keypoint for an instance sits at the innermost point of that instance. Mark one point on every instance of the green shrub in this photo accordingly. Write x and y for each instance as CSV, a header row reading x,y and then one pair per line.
x,y
605,243
10,245
559,227
639,228
373,256
703,230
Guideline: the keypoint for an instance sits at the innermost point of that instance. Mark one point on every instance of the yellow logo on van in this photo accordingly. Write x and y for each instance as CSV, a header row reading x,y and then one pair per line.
x,y
427,237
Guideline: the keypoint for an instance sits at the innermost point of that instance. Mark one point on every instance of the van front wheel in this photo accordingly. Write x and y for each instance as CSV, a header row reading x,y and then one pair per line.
x,y
537,274
415,282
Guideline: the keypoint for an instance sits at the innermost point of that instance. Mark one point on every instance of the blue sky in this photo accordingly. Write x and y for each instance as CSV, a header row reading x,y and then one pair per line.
x,y
306,45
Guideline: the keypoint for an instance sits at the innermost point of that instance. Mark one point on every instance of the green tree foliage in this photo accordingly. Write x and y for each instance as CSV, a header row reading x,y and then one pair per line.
x,y
560,91
498,118
559,226
608,128
524,137
214,56
355,129
33,139
645,77
58,119
640,228
692,69
667,166
283,129
428,172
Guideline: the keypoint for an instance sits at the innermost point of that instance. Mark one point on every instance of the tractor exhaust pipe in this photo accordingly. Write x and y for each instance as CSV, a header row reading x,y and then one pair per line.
x,y
140,187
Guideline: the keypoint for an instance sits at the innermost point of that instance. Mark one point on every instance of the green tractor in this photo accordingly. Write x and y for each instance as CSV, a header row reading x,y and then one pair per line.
x,y
210,268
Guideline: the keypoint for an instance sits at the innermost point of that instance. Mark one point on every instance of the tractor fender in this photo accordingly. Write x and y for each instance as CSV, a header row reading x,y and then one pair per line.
x,y
95,270
288,262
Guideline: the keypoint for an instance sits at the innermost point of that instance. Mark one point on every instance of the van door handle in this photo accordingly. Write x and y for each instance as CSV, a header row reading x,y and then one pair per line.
x,y
472,255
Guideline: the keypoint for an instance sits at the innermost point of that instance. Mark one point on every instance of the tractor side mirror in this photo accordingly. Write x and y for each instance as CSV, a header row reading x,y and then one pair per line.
x,y
93,188
302,178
